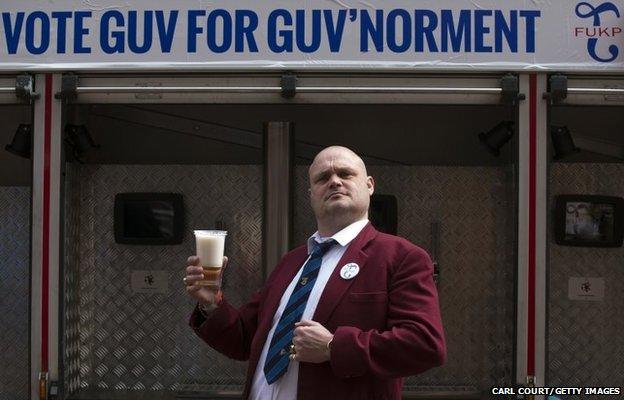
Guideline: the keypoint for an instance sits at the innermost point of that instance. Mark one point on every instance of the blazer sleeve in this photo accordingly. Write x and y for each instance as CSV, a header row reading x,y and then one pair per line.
x,y
231,330
413,340
227,329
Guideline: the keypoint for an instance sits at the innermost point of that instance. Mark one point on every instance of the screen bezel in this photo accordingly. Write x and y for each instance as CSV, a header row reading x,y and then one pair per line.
x,y
560,220
178,218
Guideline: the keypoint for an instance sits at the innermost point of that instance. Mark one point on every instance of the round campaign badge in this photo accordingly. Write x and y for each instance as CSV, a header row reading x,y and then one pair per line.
x,y
349,271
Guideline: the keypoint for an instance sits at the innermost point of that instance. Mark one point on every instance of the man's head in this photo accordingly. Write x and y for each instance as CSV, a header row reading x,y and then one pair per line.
x,y
340,189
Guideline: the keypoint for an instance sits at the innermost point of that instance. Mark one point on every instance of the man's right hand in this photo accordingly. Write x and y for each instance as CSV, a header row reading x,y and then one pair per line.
x,y
194,273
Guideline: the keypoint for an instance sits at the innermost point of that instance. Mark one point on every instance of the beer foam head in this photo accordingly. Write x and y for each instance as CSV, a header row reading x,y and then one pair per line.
x,y
204,233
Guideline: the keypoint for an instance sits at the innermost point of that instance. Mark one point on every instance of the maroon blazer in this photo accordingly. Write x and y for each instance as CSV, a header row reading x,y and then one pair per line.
x,y
386,321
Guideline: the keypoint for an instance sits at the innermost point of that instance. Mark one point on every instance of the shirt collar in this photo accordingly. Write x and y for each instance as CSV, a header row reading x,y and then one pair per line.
x,y
343,237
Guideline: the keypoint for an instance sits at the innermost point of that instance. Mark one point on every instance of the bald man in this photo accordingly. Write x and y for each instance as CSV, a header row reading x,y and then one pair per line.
x,y
345,316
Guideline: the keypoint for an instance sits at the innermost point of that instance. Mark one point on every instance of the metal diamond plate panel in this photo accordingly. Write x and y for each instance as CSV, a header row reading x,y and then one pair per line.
x,y
119,340
71,300
585,342
474,208
14,292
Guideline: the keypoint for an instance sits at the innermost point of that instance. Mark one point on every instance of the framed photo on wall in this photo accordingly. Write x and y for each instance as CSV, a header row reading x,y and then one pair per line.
x,y
589,220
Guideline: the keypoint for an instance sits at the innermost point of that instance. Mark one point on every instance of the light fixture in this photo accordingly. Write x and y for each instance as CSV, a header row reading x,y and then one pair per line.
x,y
79,139
22,141
562,142
495,138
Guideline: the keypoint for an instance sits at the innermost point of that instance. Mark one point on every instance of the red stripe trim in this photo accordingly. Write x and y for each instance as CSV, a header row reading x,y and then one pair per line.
x,y
45,266
532,226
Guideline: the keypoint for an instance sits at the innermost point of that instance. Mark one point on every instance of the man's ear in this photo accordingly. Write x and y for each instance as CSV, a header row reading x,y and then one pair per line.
x,y
370,183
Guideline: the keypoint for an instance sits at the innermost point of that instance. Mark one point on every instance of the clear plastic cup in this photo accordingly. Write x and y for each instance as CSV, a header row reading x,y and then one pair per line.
x,y
210,246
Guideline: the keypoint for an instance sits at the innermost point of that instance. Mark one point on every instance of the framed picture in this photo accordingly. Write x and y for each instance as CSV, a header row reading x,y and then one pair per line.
x,y
149,218
589,220
383,213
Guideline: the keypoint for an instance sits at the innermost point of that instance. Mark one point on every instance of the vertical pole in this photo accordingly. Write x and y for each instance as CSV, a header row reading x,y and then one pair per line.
x,y
278,183
532,206
47,142
541,218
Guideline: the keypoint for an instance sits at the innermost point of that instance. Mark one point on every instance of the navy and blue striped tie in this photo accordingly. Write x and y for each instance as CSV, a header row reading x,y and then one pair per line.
x,y
277,358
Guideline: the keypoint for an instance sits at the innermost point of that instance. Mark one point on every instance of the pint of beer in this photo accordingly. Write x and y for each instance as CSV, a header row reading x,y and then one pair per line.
x,y
209,247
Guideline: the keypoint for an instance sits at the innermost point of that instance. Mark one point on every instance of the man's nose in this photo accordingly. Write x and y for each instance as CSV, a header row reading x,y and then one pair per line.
x,y
335,180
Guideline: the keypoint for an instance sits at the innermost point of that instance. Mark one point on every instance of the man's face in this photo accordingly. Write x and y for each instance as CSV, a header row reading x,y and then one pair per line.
x,y
339,186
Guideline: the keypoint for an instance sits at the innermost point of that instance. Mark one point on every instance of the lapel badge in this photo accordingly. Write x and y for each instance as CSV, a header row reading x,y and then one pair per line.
x,y
349,271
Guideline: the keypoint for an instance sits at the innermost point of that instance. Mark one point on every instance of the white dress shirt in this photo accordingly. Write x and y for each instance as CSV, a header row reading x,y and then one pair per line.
x,y
285,388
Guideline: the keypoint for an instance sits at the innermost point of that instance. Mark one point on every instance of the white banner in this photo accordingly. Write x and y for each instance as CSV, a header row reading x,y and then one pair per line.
x,y
509,35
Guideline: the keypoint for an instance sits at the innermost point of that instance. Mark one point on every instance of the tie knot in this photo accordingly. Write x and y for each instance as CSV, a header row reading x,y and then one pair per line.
x,y
320,249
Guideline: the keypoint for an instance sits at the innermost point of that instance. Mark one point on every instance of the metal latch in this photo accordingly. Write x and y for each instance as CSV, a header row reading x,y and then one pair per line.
x,y
289,85
43,385
53,391
435,240
530,382
436,273
69,85
511,89
558,88
24,85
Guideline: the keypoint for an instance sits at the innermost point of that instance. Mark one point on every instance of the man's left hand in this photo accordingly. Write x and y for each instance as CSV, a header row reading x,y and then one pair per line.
x,y
310,342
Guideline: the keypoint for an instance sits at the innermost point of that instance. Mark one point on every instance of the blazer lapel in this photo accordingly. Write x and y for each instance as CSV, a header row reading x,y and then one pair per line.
x,y
336,286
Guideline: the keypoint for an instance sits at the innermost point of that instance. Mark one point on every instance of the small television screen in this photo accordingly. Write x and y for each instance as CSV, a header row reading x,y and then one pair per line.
x,y
149,218
588,220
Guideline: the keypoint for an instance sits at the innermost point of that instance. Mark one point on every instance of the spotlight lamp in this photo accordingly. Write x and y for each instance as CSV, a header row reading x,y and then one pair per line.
x,y
495,138
22,141
562,142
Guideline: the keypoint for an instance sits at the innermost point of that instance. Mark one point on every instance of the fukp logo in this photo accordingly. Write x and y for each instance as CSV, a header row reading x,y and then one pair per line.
x,y
586,10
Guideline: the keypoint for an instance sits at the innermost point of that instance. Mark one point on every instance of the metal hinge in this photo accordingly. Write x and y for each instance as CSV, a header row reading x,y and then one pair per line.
x,y
24,85
289,85
511,89
69,85
557,88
